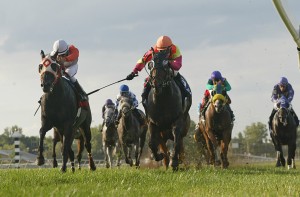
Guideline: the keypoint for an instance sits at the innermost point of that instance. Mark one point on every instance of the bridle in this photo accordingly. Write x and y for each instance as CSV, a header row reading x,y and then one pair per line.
x,y
158,65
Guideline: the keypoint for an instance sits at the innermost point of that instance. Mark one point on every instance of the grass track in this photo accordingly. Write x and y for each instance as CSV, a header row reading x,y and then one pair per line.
x,y
247,180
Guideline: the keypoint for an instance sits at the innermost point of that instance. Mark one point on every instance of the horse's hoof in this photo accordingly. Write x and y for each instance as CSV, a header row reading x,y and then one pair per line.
x,y
55,165
40,161
73,169
63,169
92,163
217,163
175,168
79,167
107,165
160,157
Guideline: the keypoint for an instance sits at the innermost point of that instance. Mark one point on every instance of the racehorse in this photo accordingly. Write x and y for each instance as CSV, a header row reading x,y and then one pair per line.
x,y
59,105
168,118
110,139
132,134
57,137
284,132
217,129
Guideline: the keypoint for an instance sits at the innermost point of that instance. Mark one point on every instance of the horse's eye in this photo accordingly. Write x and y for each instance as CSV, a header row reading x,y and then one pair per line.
x,y
54,67
40,68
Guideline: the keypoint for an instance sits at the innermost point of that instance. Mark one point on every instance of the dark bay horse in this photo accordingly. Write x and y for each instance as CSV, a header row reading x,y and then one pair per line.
x,y
168,119
132,134
59,109
217,130
57,137
284,132
110,138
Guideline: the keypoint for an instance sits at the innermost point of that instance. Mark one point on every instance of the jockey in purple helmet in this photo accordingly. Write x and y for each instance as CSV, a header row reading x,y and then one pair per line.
x,y
283,88
216,78
108,104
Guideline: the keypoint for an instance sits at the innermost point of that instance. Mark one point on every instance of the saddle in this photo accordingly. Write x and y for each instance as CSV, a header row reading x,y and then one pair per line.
x,y
80,102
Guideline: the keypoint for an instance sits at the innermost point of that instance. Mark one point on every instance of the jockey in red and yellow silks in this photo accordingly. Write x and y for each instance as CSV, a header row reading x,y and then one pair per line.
x,y
175,62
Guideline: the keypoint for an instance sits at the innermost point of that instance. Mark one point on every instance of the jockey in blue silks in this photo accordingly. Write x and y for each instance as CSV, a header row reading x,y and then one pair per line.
x,y
124,92
283,88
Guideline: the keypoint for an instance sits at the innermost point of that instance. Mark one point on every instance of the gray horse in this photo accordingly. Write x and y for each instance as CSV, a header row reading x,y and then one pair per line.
x,y
110,139
132,134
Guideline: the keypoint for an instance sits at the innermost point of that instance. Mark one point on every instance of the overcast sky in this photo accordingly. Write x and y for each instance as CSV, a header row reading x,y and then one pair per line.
x,y
244,39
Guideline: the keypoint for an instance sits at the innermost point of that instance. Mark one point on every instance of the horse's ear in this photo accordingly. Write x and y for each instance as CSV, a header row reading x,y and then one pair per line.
x,y
152,49
42,54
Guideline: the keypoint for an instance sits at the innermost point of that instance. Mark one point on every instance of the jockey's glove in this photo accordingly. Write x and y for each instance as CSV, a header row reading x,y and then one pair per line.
x,y
130,76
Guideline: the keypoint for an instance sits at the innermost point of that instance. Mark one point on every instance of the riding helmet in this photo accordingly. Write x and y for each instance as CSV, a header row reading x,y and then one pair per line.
x,y
216,75
163,42
124,88
283,81
60,47
109,102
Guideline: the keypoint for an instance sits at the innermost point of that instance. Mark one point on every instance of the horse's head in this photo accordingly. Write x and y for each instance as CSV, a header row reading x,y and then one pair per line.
x,y
283,111
109,116
160,72
218,102
49,71
125,106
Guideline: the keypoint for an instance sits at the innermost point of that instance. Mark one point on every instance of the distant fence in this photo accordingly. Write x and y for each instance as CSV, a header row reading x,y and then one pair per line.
x,y
10,163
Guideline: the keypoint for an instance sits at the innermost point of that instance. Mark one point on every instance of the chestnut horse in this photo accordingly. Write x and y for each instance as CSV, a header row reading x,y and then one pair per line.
x,y
168,117
217,129
59,109
284,132
132,134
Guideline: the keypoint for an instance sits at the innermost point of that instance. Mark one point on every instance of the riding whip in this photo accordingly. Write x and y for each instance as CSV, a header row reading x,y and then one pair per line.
x,y
105,86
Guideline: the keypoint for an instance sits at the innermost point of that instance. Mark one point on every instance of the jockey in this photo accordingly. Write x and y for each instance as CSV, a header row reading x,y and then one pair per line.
x,y
124,92
108,104
283,88
216,78
68,57
175,62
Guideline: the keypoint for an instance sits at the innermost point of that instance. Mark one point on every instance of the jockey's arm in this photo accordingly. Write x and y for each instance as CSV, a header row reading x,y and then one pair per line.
x,y
227,85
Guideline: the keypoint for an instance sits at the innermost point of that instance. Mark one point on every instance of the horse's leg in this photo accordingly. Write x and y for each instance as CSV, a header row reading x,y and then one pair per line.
x,y
210,149
215,148
177,133
110,155
80,148
224,148
118,152
43,131
67,142
154,139
72,158
141,144
291,155
165,150
55,140
88,137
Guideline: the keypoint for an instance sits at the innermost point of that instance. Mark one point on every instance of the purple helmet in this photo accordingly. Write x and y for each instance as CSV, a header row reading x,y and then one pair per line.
x,y
109,102
216,75
283,81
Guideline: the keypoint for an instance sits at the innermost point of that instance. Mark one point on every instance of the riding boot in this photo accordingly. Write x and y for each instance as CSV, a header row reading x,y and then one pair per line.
x,y
80,91
231,112
185,91
271,119
145,95
139,116
295,117
118,118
